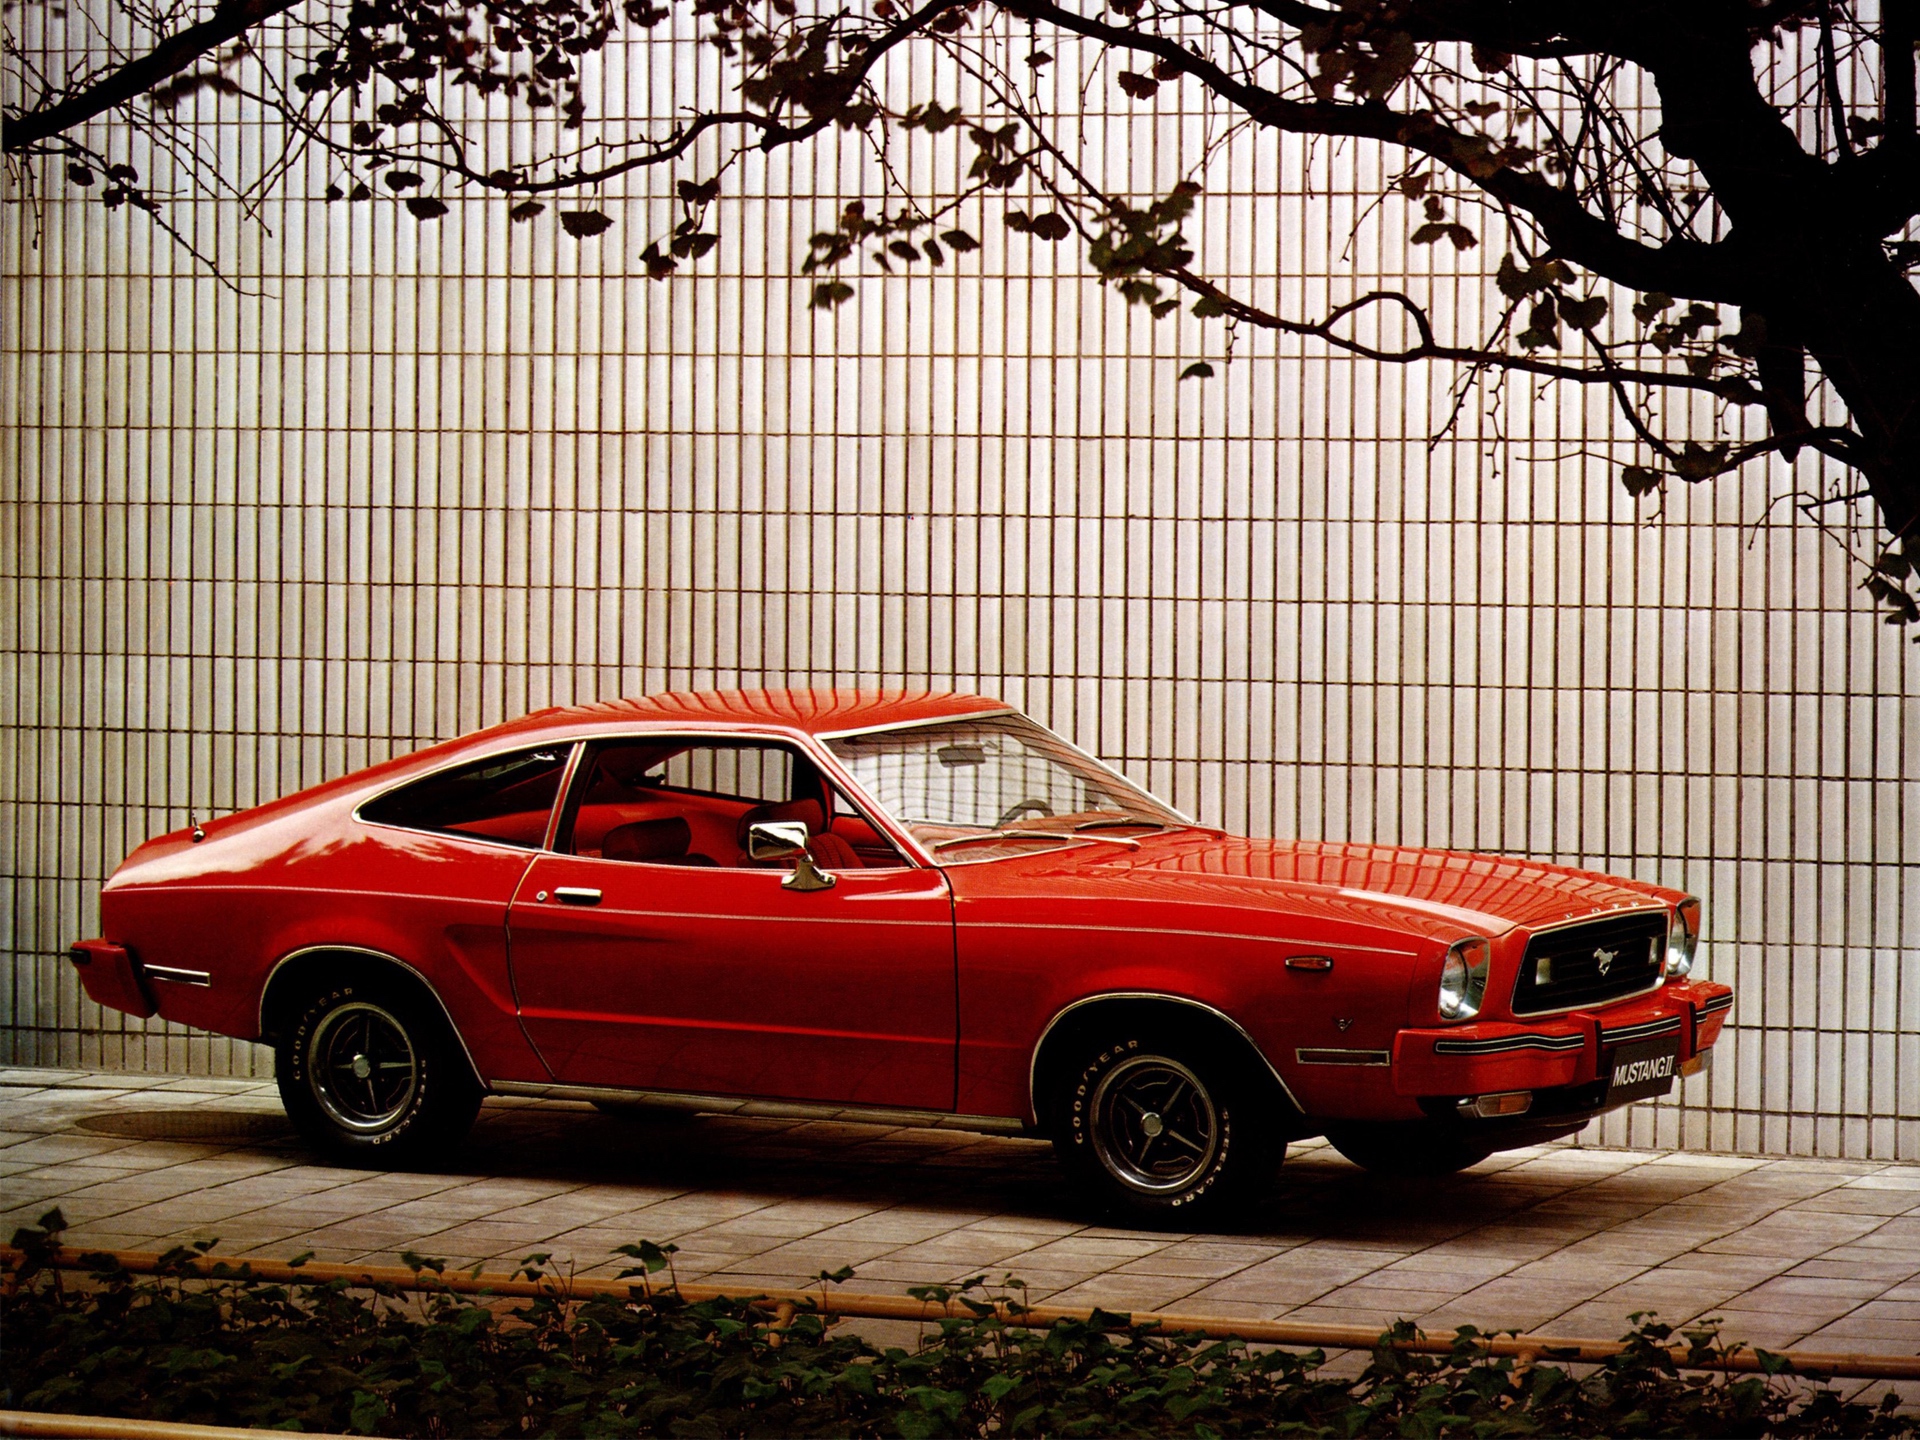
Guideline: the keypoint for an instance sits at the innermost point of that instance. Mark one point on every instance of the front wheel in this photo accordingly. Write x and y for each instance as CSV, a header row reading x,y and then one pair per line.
x,y
368,1073
1159,1132
1412,1147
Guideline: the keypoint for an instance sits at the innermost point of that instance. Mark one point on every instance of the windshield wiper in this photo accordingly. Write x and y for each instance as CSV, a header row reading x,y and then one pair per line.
x,y
1059,837
1053,835
1122,822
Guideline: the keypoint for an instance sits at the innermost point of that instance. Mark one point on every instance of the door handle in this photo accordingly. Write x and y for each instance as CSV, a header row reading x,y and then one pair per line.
x,y
575,895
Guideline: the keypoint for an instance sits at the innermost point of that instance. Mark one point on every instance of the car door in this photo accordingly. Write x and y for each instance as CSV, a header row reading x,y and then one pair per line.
x,y
649,953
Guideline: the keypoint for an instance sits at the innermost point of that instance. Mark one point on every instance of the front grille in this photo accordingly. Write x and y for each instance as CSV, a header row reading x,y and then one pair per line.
x,y
1563,968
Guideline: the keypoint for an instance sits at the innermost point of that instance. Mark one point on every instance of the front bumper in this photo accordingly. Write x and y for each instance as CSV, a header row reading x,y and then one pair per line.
x,y
1559,1052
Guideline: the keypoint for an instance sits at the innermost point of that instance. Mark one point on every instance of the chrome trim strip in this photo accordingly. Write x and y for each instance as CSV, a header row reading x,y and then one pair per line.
x,y
1033,1060
765,1109
1500,1044
915,724
260,1019
1718,1002
1645,1031
1311,1056
1187,934
177,975
562,795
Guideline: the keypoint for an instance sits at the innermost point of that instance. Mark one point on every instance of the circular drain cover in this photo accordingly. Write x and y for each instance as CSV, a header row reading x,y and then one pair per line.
x,y
192,1124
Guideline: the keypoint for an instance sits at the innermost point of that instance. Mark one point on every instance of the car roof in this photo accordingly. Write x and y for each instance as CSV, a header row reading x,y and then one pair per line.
x,y
825,711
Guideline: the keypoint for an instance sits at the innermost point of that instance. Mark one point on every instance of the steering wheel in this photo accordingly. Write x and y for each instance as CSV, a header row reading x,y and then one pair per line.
x,y
1025,807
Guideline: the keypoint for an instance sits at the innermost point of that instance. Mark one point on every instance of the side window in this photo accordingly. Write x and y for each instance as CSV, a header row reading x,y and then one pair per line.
x,y
689,802
508,798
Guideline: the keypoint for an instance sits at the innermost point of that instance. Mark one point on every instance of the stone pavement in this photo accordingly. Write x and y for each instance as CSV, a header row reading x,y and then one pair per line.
x,y
1822,1254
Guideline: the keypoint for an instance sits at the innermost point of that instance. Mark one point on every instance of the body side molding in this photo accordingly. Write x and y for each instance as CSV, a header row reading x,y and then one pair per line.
x,y
765,1109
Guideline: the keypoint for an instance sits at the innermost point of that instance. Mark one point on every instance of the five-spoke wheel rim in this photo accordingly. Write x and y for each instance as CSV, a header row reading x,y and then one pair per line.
x,y
1154,1126
362,1067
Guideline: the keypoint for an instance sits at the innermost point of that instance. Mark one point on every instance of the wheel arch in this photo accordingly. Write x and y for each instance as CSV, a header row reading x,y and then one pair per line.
x,y
299,972
1182,1012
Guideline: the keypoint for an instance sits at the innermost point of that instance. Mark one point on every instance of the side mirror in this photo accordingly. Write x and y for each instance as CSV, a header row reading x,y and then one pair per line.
x,y
787,840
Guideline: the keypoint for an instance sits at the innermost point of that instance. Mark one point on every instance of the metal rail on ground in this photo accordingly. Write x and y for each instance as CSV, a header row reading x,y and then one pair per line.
x,y
836,1304
51,1426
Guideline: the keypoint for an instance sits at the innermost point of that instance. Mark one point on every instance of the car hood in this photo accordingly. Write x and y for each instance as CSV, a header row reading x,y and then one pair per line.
x,y
1441,893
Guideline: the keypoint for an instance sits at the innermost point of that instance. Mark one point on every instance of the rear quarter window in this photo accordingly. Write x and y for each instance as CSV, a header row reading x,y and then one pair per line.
x,y
504,798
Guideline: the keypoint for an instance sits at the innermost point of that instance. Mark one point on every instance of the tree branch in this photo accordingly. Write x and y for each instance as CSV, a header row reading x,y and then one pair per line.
x,y
31,129
1428,348
1681,266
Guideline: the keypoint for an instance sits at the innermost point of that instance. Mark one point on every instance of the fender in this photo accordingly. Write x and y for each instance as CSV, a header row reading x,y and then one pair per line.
x,y
381,955
1187,1001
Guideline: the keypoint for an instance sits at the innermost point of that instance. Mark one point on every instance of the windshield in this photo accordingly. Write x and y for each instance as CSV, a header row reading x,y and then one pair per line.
x,y
955,784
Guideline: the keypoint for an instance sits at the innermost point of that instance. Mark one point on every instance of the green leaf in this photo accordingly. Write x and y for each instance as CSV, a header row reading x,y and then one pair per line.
x,y
998,1387
367,1412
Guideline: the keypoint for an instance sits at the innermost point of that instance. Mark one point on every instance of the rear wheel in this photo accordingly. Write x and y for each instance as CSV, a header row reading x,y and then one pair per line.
x,y
371,1075
1413,1147
1160,1132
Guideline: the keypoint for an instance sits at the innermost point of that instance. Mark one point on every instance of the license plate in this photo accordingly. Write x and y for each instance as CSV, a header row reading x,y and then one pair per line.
x,y
1644,1069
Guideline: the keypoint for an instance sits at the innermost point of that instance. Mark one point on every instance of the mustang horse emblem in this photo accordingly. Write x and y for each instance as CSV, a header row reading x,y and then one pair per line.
x,y
1605,959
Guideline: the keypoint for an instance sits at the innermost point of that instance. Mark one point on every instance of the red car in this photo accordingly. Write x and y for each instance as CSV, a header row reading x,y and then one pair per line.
x,y
900,907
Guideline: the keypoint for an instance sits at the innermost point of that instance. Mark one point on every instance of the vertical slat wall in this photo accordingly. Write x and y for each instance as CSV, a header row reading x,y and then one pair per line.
x,y
398,480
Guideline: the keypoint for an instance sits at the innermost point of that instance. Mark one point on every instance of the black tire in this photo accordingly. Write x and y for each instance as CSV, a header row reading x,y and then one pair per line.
x,y
1412,1147
1163,1131
373,1076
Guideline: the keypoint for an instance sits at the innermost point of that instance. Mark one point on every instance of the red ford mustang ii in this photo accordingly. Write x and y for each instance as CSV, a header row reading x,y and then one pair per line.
x,y
902,907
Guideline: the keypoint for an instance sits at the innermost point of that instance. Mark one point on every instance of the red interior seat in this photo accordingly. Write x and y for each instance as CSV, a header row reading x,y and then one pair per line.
x,y
657,842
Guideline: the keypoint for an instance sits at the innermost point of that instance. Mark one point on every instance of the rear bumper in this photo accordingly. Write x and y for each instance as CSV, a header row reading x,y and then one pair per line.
x,y
1560,1053
111,977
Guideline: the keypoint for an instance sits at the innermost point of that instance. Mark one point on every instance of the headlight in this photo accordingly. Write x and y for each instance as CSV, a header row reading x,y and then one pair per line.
x,y
1463,979
1683,937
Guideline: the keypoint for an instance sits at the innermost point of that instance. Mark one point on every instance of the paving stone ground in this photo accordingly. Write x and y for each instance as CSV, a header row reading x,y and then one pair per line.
x,y
1562,1239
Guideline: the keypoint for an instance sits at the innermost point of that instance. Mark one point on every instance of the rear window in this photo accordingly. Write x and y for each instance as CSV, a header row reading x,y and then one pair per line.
x,y
506,798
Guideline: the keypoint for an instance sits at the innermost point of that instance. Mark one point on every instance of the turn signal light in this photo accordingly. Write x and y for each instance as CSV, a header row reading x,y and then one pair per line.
x,y
1510,1102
